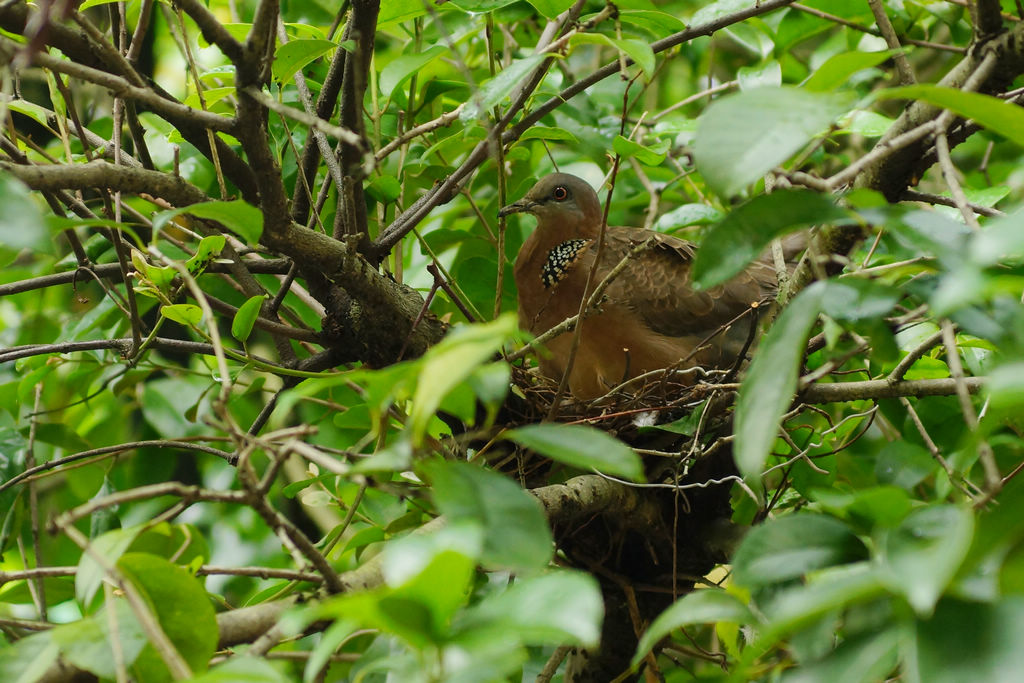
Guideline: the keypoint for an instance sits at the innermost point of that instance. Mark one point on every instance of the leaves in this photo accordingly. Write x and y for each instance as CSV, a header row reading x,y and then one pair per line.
x,y
185,314
742,136
636,50
556,607
770,384
402,68
737,239
181,607
649,156
993,113
237,216
515,531
838,68
943,650
924,552
499,87
698,607
580,446
451,362
245,318
295,55
21,224
792,546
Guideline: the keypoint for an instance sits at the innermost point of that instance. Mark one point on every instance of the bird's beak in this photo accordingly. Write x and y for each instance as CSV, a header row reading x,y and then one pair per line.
x,y
524,205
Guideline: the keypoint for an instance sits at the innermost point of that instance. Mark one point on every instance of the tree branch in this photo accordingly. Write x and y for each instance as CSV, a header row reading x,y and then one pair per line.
x,y
839,392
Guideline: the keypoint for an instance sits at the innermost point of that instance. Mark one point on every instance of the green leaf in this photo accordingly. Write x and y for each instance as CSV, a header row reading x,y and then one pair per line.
x,y
706,606
638,51
435,572
686,215
186,314
395,457
742,136
967,641
551,609
646,155
31,110
516,533
209,249
768,388
399,10
999,241
921,556
904,464
867,123
875,506
929,232
837,69
789,547
828,591
481,5
182,608
21,222
870,657
241,218
551,8
581,446
767,75
1005,388
729,245
87,643
294,55
93,3
400,69
60,434
657,22
997,115
27,660
447,364
548,133
182,544
997,537
210,96
499,87
427,578
110,546
245,317
384,188
852,299
242,668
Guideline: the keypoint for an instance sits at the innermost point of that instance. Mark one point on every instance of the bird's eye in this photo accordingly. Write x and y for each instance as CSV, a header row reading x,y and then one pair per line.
x,y
560,193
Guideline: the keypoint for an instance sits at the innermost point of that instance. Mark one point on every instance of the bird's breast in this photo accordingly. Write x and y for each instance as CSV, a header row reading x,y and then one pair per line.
x,y
560,260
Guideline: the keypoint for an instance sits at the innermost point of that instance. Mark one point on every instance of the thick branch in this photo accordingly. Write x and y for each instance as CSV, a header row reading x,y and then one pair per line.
x,y
103,175
892,175
883,388
15,16
120,87
351,217
112,271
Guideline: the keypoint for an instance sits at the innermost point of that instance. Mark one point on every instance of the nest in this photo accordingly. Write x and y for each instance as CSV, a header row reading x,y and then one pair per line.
x,y
664,400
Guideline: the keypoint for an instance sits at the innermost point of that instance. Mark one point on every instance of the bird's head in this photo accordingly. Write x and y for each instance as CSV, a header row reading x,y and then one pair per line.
x,y
561,200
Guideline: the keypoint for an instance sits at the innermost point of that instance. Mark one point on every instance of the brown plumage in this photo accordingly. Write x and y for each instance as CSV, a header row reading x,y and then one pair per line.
x,y
652,317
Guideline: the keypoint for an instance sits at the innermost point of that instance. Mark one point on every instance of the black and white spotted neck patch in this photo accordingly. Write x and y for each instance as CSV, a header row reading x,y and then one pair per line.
x,y
560,259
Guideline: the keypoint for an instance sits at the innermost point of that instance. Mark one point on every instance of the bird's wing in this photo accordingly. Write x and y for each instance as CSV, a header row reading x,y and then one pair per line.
x,y
656,284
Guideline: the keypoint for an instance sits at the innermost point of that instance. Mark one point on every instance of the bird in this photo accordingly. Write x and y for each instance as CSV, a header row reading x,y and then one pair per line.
x,y
651,316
